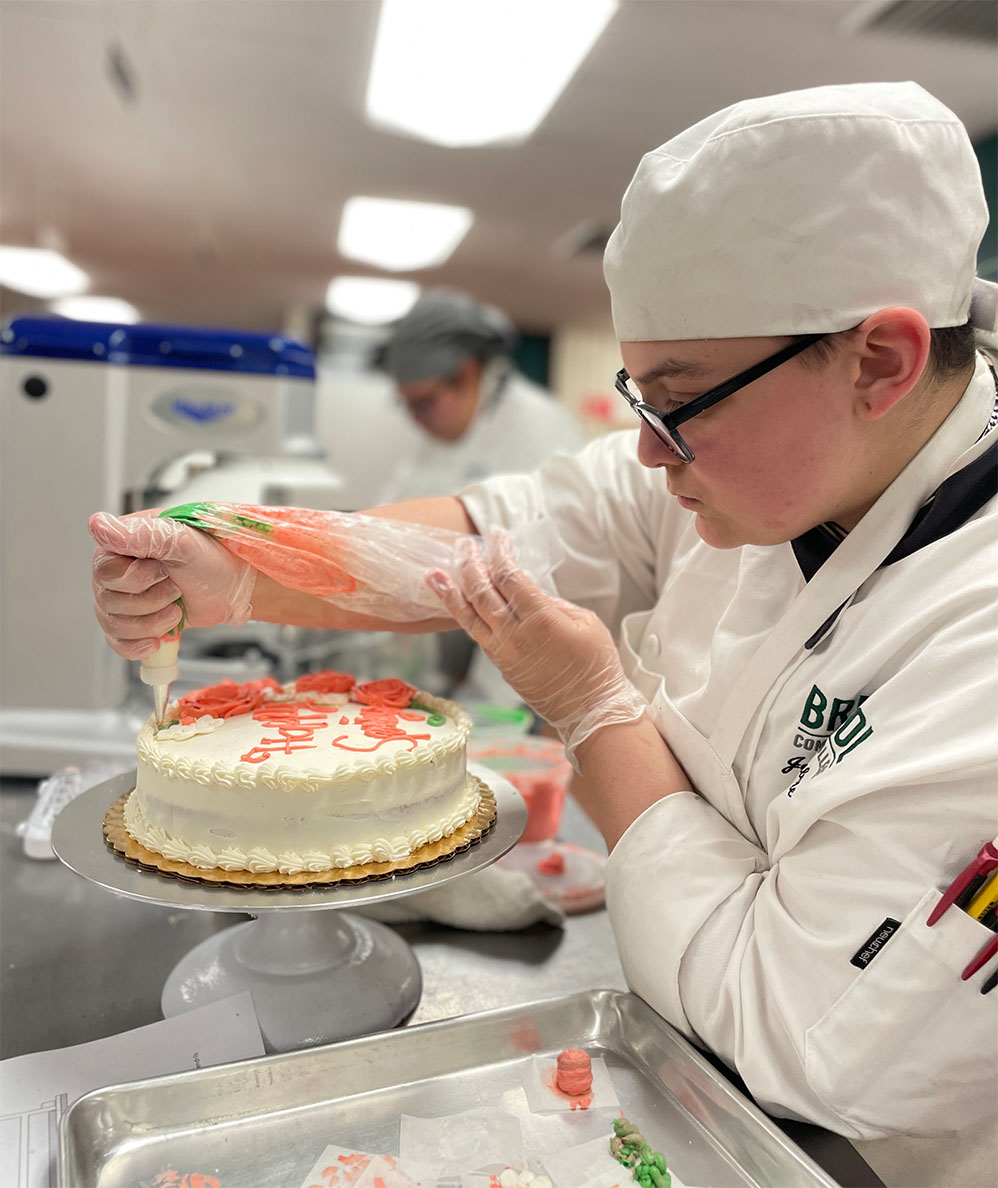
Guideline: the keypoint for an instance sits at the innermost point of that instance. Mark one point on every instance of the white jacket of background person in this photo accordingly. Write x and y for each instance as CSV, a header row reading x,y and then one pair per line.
x,y
839,787
513,432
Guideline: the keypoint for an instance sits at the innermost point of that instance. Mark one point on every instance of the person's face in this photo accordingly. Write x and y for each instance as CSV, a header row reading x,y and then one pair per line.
x,y
775,458
445,408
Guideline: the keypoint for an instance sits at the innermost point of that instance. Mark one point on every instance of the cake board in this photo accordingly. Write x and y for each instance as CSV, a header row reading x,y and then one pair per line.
x,y
317,972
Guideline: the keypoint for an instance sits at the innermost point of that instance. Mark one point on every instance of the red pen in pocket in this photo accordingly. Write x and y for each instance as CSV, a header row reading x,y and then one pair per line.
x,y
984,955
968,880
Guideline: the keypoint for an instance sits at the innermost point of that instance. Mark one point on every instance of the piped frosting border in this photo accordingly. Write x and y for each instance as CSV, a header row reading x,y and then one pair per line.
x,y
260,860
134,853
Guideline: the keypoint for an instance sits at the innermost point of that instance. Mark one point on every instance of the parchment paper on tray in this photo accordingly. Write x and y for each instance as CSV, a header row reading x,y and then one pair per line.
x,y
611,1180
544,1097
343,1167
506,1179
477,1140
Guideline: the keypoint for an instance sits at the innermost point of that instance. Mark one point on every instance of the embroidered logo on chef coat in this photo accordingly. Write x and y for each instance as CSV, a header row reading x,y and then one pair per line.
x,y
829,728
822,715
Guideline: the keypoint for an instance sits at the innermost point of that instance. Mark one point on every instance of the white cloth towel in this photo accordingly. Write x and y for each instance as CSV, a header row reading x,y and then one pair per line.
x,y
492,900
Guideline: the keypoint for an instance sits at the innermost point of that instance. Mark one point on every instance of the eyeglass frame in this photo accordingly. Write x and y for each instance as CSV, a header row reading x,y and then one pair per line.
x,y
656,420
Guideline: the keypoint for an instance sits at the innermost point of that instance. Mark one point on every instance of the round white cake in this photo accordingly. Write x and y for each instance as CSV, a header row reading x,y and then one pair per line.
x,y
311,776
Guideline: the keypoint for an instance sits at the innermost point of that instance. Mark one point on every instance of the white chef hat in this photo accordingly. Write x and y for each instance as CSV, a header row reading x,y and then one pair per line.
x,y
803,213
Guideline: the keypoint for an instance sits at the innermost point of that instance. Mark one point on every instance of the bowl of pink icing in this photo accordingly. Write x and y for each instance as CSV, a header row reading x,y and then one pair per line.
x,y
539,770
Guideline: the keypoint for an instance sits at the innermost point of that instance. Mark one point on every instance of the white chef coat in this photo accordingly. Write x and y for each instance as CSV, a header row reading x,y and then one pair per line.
x,y
513,431
839,787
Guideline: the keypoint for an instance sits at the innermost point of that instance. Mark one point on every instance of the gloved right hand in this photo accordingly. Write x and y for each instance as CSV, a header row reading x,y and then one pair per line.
x,y
560,658
143,564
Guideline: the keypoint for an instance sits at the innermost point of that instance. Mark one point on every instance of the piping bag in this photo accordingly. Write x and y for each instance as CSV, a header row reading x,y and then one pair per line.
x,y
366,564
160,669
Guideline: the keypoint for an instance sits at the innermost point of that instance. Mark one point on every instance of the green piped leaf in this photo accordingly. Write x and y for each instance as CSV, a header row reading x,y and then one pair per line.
x,y
432,717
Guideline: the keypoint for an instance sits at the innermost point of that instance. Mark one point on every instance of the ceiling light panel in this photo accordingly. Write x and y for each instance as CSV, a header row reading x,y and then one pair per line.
x,y
40,272
369,299
96,309
461,73
401,236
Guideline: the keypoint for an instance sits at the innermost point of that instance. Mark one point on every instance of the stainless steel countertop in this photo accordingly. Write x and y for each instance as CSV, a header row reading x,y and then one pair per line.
x,y
79,963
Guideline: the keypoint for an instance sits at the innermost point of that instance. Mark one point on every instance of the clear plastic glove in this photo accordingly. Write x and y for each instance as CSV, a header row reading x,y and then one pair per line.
x,y
560,658
143,564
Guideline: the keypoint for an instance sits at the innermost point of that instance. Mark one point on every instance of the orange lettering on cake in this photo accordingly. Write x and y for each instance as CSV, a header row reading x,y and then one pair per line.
x,y
381,723
295,723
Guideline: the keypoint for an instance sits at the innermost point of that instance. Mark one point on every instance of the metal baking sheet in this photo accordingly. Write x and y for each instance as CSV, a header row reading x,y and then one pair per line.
x,y
262,1123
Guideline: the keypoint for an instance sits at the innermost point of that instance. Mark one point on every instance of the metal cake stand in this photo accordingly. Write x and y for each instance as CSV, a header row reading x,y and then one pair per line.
x,y
316,975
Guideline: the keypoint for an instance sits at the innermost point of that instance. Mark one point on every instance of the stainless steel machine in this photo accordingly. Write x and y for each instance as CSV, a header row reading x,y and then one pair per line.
x,y
118,418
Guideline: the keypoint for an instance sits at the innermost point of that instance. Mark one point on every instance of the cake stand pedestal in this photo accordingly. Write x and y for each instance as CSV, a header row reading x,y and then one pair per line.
x,y
317,972
315,978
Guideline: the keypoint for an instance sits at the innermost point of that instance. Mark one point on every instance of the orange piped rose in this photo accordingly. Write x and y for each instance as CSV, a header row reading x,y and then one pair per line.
x,y
226,699
393,694
325,682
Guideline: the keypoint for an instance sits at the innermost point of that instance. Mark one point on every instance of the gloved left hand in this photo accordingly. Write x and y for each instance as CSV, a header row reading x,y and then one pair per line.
x,y
560,658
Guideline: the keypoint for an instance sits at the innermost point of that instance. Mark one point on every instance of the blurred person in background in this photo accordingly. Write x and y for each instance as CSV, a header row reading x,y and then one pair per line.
x,y
451,360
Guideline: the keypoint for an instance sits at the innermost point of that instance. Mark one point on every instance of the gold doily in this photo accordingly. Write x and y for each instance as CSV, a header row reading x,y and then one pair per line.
x,y
426,856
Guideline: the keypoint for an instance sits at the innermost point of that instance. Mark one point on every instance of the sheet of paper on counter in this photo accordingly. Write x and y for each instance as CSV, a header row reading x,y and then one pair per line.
x,y
37,1089
481,1139
343,1167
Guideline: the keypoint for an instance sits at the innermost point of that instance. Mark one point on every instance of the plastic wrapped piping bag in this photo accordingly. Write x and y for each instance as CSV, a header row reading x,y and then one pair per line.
x,y
366,564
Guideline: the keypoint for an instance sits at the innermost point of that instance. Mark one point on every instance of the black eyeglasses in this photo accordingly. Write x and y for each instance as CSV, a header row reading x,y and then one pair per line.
x,y
666,425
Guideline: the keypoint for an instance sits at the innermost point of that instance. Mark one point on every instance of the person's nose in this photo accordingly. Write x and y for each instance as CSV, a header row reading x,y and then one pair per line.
x,y
652,450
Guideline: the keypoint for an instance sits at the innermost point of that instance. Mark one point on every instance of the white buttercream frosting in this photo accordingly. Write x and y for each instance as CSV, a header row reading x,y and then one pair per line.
x,y
309,804
261,860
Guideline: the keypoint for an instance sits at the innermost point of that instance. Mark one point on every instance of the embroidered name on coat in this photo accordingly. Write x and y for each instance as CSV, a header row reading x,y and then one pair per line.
x,y
874,943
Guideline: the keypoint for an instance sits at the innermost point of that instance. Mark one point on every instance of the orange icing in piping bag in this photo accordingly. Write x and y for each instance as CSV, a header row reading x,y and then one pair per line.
x,y
290,544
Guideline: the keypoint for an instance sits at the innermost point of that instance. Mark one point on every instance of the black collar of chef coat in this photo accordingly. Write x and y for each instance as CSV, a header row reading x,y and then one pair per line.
x,y
953,504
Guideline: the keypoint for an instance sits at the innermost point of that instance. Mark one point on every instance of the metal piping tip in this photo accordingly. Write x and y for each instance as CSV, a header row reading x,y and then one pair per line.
x,y
162,696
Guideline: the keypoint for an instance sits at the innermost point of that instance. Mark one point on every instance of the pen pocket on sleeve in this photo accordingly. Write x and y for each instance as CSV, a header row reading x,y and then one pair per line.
x,y
908,1045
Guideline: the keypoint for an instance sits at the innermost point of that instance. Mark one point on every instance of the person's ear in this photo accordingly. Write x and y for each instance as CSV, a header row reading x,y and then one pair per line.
x,y
891,351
